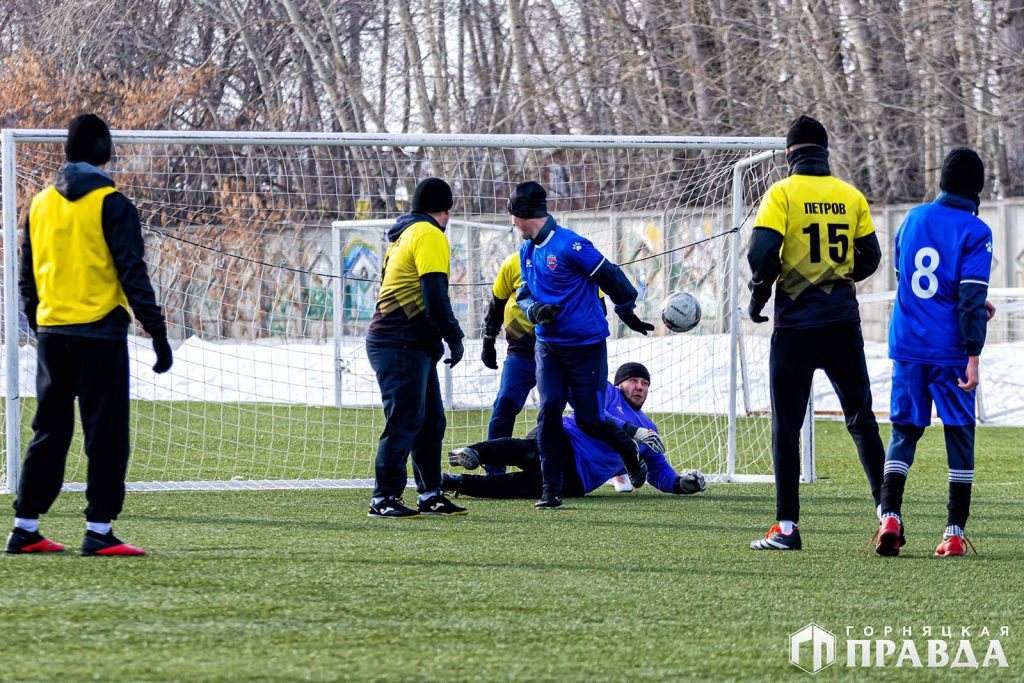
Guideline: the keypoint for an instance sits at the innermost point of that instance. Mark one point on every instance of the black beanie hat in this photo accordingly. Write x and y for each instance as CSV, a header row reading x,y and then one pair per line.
x,y
432,195
963,173
805,130
529,200
629,371
88,140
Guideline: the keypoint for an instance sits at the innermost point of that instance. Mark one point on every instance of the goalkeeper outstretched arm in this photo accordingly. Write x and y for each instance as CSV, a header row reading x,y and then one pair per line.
x,y
660,474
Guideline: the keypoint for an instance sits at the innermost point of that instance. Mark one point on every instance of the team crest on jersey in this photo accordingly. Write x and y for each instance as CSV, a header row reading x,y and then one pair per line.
x,y
988,246
529,263
552,262
576,246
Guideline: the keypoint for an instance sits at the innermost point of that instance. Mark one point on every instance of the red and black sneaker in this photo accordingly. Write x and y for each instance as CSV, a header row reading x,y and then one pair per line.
x,y
890,537
21,541
107,545
776,540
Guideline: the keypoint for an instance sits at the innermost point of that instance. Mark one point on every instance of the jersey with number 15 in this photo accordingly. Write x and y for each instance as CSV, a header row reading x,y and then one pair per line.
x,y
937,249
819,218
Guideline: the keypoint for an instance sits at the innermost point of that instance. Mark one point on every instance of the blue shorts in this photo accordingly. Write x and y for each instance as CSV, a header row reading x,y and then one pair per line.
x,y
916,385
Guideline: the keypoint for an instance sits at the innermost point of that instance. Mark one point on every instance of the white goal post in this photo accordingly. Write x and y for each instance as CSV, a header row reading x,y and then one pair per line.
x,y
262,248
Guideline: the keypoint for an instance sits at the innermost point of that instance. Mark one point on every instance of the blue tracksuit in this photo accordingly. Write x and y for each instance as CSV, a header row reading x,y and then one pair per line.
x,y
559,267
597,462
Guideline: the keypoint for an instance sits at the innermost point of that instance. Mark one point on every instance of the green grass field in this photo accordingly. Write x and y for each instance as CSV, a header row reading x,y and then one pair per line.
x,y
301,585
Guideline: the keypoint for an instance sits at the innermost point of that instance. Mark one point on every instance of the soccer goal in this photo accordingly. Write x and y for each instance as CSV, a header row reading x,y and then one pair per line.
x,y
265,250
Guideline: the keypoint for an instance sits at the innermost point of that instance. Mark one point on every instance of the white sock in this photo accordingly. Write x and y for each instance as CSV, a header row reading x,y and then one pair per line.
x,y
878,511
98,527
786,526
426,495
30,525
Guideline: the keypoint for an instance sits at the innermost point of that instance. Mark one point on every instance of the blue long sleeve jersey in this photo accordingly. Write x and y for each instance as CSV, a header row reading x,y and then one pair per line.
x,y
597,462
943,255
563,268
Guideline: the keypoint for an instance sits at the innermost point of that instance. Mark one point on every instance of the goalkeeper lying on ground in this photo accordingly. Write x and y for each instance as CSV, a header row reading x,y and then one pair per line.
x,y
593,461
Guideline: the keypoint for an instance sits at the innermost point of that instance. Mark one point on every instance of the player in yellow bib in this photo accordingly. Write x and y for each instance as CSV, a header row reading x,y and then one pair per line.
x,y
518,372
81,268
403,344
812,240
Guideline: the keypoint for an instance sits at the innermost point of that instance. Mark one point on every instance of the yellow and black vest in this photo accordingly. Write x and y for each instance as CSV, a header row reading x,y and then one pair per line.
x,y
74,270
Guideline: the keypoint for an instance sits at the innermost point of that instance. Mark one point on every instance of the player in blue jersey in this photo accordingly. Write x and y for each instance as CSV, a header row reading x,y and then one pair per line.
x,y
561,273
589,463
943,257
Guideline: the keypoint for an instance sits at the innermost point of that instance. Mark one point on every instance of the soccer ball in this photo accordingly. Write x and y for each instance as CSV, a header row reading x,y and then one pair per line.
x,y
680,312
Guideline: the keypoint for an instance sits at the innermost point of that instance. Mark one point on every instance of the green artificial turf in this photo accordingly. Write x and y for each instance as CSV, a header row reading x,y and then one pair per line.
x,y
301,585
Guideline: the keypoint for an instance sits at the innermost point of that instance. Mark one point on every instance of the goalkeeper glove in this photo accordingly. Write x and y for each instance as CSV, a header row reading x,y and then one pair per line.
x,y
164,356
691,481
490,354
649,438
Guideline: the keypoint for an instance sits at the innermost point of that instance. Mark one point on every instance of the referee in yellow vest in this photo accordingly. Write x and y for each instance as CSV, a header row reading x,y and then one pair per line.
x,y
81,268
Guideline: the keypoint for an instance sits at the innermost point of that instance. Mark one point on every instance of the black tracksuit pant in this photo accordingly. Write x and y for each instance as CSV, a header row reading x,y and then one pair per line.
x,y
526,483
96,372
414,417
795,354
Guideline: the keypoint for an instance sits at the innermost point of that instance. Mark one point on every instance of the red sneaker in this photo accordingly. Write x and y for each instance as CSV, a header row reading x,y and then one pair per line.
x,y
107,545
890,533
21,541
952,547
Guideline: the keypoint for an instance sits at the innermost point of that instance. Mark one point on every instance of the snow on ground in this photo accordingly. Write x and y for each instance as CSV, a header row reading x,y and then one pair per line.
x,y
690,375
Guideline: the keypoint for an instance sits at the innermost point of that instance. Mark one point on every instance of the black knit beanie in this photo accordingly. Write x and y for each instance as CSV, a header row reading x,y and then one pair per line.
x,y
529,200
963,173
629,371
432,195
805,130
88,140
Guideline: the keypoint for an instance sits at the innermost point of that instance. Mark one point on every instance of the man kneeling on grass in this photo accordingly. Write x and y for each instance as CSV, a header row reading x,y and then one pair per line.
x,y
594,461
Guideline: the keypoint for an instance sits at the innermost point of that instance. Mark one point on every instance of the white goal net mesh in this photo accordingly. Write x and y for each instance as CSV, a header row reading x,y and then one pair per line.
x,y
266,259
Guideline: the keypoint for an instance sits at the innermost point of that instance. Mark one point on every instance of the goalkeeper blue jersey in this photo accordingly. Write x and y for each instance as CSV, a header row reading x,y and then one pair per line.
x,y
938,247
558,271
597,462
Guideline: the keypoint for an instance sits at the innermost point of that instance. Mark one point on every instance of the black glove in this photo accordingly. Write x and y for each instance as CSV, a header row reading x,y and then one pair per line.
x,y
691,481
164,357
490,354
545,314
758,298
639,477
634,323
455,352
30,313
754,311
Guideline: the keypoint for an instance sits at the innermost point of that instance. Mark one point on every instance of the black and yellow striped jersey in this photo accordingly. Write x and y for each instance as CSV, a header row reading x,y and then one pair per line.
x,y
419,248
518,329
819,218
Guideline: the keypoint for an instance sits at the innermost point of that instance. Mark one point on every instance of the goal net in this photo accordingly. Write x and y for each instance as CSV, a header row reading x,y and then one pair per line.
x,y
265,252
